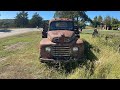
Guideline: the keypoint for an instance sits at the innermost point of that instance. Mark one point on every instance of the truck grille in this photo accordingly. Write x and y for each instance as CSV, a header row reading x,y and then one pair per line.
x,y
61,51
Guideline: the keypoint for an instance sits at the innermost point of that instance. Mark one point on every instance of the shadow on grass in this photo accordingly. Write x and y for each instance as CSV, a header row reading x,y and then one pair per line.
x,y
88,61
5,30
86,33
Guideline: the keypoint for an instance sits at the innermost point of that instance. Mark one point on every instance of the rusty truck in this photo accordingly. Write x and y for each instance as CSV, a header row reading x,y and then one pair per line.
x,y
61,42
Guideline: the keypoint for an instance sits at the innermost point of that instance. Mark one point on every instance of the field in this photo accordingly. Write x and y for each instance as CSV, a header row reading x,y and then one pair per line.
x,y
19,58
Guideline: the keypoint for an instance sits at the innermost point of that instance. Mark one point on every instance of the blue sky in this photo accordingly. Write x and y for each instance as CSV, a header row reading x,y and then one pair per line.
x,y
47,15
115,14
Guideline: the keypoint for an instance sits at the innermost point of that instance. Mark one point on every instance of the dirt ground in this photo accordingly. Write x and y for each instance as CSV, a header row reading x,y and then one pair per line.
x,y
11,32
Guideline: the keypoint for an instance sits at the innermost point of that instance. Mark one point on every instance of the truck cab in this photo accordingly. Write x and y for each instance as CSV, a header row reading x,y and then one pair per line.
x,y
62,43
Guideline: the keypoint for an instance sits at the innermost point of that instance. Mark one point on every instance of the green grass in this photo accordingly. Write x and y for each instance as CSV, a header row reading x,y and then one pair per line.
x,y
107,64
24,62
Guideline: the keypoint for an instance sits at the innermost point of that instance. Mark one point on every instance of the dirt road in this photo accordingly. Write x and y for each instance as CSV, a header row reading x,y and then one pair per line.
x,y
11,32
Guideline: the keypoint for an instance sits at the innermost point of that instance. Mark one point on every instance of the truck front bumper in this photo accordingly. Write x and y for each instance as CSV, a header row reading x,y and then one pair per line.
x,y
44,60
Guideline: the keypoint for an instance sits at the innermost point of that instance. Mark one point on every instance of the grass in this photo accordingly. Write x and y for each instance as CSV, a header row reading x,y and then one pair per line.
x,y
23,63
107,64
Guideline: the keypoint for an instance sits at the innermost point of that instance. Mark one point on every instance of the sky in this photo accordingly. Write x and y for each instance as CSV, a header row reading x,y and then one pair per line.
x,y
47,15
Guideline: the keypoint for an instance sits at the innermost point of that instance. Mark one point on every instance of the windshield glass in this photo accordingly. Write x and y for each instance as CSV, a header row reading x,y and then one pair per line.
x,y
61,25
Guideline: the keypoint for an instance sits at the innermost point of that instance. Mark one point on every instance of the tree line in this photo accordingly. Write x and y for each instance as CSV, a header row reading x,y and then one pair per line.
x,y
108,21
80,18
21,21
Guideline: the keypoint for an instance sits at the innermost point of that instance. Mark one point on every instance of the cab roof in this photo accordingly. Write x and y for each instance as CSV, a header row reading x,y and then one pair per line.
x,y
60,19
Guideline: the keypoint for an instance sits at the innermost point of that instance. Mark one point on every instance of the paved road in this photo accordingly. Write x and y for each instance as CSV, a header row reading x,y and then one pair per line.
x,y
11,32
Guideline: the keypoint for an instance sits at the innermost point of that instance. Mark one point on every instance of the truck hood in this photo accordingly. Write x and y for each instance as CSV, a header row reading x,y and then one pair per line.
x,y
59,34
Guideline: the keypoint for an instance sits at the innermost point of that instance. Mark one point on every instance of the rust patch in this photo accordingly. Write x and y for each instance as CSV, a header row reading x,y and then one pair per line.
x,y
59,33
60,19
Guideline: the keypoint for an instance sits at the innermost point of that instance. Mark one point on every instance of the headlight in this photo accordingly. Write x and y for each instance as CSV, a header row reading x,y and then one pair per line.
x,y
75,49
48,49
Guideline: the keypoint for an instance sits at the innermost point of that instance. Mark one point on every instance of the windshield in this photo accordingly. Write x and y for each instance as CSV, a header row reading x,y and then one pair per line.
x,y
61,25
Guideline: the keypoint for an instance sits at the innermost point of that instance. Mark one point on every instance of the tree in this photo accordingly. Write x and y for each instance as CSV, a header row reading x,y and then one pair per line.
x,y
75,15
107,20
95,21
114,21
45,22
82,24
21,20
7,23
36,20
100,19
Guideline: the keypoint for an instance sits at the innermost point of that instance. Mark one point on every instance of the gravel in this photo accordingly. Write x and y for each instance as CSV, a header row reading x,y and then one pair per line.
x,y
11,32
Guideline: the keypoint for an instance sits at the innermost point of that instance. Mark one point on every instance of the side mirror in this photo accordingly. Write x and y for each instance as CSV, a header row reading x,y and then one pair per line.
x,y
77,35
76,27
76,30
